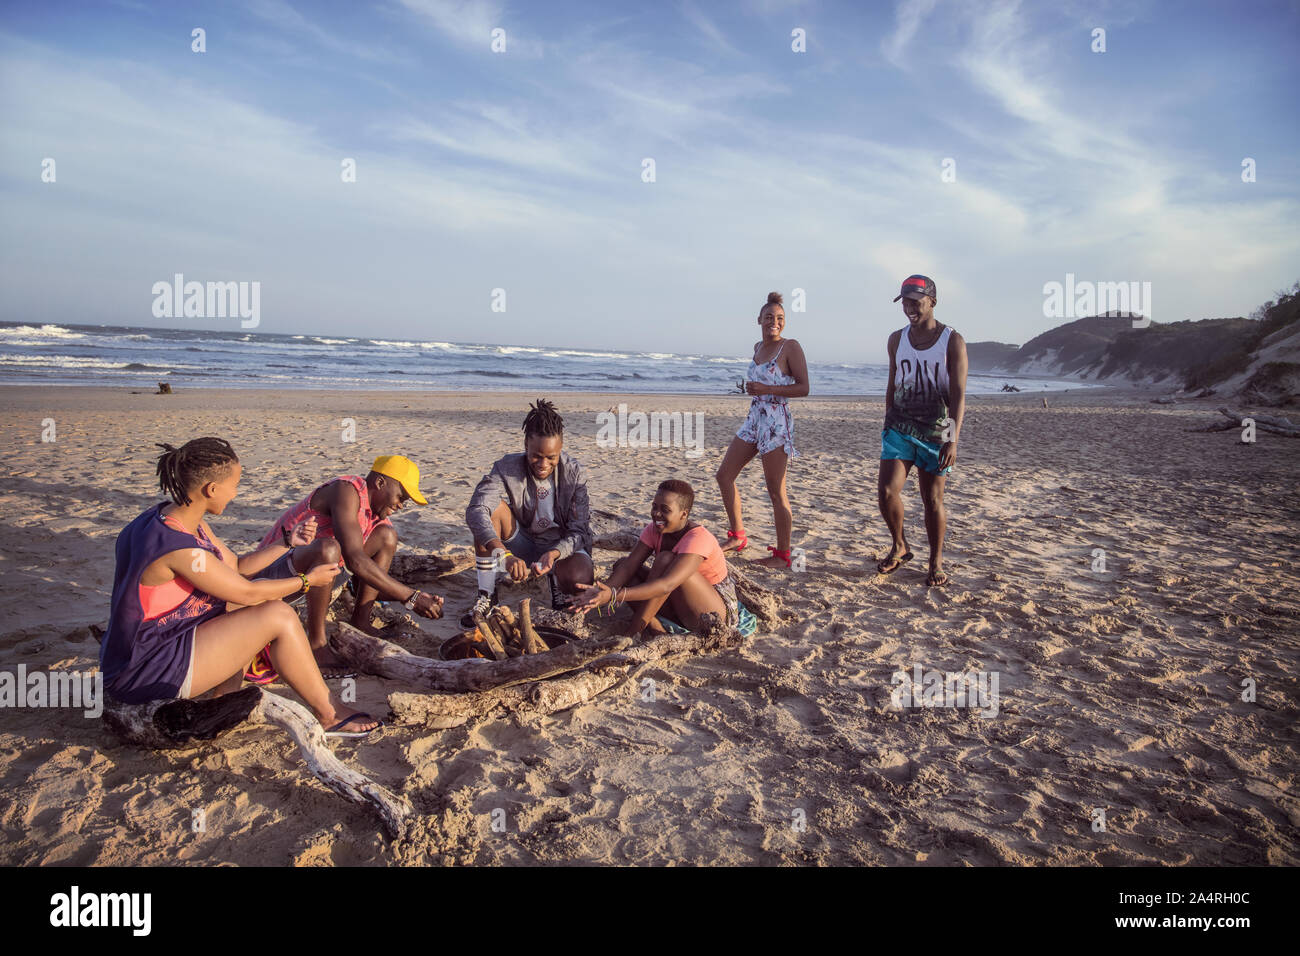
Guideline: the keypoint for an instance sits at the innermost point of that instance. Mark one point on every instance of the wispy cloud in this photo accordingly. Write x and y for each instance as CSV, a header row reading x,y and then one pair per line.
x,y
469,24
908,17
281,14
717,39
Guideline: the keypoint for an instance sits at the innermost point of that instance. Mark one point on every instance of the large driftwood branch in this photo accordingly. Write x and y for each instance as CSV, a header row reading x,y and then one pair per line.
x,y
441,711
617,540
167,724
409,567
765,604
1266,423
374,655
308,734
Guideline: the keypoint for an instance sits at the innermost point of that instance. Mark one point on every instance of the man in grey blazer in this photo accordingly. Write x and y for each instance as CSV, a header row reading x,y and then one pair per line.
x,y
530,516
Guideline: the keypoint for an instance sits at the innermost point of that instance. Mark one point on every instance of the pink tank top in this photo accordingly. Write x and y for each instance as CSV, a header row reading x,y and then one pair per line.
x,y
159,599
324,527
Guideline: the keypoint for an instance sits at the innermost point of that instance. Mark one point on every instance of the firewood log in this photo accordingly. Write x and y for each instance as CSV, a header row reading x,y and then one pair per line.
x,y
535,644
489,638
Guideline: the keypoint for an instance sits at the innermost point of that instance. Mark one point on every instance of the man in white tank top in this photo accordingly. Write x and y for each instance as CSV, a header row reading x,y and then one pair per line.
x,y
925,403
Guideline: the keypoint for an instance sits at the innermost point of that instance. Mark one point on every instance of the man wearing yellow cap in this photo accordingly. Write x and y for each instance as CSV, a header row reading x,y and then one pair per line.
x,y
352,528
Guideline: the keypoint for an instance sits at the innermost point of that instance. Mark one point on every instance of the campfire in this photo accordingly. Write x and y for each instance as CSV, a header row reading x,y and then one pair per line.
x,y
503,634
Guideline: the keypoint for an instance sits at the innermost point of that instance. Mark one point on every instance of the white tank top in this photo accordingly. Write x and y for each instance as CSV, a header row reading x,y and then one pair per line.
x,y
920,405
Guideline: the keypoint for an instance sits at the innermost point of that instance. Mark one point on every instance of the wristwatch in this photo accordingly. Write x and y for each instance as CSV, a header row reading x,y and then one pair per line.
x,y
409,603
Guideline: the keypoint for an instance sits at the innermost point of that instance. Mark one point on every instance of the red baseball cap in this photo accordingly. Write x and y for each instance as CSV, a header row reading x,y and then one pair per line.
x,y
916,287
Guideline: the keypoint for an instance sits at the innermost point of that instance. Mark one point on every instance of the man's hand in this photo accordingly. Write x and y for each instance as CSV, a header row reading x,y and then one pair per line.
x,y
546,562
428,605
947,454
303,534
517,568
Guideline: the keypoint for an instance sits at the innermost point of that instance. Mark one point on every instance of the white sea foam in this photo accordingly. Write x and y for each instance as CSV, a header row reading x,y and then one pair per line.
x,y
31,335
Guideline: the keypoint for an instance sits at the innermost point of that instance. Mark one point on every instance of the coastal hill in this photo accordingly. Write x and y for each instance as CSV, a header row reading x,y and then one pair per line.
x,y
1257,358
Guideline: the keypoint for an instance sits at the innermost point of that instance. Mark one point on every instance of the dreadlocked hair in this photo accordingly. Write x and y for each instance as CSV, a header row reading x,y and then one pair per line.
x,y
681,489
543,420
197,462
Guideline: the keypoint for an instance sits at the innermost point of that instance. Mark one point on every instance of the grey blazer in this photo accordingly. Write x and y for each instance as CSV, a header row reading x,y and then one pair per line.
x,y
511,481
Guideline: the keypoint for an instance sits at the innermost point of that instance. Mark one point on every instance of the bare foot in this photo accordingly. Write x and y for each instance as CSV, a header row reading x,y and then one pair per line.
x,y
772,561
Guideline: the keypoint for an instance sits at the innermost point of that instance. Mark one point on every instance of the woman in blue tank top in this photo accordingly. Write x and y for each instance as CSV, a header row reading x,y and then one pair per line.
x,y
169,633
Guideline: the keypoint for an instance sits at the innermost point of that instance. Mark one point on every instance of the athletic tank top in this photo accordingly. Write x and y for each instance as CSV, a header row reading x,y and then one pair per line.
x,y
324,526
920,406
140,656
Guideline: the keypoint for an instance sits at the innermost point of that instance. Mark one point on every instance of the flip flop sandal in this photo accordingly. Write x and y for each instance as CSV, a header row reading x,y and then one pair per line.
x,y
899,561
335,731
933,580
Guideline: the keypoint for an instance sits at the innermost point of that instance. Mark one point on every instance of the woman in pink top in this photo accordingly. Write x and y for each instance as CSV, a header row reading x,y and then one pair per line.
x,y
689,576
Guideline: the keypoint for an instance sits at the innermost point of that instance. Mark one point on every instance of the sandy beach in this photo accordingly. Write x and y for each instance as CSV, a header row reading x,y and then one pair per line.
x,y
1120,691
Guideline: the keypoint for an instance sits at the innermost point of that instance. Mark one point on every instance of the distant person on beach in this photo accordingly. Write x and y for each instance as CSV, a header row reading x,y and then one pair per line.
x,y
925,402
170,635
352,529
530,516
778,372
689,576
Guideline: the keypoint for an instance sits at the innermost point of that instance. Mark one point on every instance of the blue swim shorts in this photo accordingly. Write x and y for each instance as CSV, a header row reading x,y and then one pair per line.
x,y
896,446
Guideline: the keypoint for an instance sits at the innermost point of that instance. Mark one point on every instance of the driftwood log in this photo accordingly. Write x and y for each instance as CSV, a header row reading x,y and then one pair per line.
x,y
441,711
374,655
1264,423
167,724
409,566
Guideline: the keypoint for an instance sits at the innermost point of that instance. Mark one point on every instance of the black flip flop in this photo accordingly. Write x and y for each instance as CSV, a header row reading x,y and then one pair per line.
x,y
899,561
336,732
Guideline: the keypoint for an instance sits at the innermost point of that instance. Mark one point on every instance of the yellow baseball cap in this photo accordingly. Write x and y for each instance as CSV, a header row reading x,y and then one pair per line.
x,y
402,470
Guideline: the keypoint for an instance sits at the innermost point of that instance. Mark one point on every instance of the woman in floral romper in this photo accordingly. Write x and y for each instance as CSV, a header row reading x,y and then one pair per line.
x,y
778,372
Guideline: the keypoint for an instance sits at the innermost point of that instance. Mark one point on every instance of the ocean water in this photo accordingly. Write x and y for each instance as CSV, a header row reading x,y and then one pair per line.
x,y
141,358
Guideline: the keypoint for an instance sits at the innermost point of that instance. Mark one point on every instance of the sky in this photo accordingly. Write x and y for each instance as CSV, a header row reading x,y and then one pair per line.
x,y
985,144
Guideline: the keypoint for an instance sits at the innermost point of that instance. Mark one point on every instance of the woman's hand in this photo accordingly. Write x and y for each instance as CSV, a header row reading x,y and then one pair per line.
x,y
321,575
757,388
304,534
598,596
